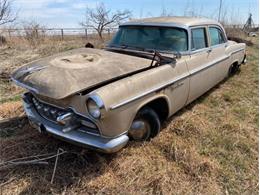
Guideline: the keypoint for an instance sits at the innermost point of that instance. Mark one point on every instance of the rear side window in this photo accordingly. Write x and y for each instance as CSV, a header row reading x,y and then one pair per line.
x,y
216,36
198,38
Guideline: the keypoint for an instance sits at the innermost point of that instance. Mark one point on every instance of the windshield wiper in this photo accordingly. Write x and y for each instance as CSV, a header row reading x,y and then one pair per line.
x,y
162,59
157,55
124,46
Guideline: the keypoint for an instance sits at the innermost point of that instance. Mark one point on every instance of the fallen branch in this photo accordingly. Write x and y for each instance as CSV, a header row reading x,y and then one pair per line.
x,y
25,161
55,165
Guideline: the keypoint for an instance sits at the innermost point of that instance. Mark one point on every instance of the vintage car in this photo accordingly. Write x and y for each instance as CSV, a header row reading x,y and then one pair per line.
x,y
102,98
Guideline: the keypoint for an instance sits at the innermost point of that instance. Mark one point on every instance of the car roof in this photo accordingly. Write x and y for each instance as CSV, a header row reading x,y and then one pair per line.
x,y
173,21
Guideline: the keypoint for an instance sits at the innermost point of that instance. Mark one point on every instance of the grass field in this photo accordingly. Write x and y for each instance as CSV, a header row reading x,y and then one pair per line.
x,y
209,147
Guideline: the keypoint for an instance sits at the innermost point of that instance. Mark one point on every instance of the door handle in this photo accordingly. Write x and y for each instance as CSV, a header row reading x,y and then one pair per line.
x,y
210,50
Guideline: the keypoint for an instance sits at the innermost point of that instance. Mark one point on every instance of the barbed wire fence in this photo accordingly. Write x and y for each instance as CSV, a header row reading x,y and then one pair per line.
x,y
57,33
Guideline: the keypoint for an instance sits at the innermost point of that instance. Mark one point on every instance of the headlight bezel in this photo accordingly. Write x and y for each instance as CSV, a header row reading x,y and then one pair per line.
x,y
95,99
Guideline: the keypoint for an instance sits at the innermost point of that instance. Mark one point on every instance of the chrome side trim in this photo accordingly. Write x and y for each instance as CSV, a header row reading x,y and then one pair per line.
x,y
236,51
195,71
148,92
183,76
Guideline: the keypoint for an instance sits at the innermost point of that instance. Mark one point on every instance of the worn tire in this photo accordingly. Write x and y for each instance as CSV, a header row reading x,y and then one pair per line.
x,y
151,117
233,69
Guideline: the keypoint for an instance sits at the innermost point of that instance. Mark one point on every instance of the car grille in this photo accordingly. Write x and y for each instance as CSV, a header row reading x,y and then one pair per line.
x,y
51,113
46,111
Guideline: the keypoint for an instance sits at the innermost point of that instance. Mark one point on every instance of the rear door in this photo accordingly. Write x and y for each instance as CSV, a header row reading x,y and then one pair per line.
x,y
218,43
201,75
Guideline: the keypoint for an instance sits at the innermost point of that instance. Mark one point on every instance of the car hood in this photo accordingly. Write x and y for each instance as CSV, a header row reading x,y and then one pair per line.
x,y
76,70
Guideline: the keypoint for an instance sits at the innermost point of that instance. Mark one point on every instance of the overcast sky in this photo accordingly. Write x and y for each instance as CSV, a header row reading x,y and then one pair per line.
x,y
69,13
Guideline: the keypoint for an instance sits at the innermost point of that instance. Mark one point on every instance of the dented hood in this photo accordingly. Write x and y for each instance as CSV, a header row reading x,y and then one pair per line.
x,y
70,72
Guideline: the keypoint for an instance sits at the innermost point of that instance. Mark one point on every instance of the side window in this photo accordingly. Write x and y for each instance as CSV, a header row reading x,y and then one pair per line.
x,y
198,38
216,36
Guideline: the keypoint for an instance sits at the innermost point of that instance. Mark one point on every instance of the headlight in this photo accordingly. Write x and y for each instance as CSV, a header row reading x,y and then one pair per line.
x,y
95,106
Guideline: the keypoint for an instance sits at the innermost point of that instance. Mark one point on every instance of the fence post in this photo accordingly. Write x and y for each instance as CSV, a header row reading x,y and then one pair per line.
x,y
86,33
9,33
37,35
62,34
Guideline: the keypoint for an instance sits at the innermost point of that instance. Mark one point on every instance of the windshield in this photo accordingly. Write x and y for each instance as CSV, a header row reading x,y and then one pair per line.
x,y
151,37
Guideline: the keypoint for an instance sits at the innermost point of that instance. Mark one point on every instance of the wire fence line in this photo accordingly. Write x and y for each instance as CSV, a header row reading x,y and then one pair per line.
x,y
71,33
61,33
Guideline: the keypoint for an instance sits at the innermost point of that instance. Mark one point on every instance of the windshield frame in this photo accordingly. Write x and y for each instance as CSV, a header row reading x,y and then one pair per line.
x,y
186,29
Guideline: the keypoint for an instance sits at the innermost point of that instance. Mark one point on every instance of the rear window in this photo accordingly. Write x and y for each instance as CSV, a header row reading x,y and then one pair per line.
x,y
198,38
216,36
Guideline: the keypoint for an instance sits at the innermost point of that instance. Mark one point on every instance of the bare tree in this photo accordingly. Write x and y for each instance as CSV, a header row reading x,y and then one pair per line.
x,y
6,12
101,18
34,33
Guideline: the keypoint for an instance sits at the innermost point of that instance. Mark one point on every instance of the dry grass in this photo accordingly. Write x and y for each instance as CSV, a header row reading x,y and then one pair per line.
x,y
209,147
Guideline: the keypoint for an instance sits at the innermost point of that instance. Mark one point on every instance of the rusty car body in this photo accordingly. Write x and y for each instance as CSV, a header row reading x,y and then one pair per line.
x,y
152,68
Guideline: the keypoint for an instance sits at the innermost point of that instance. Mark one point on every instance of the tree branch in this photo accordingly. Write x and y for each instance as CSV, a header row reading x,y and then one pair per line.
x,y
6,13
100,18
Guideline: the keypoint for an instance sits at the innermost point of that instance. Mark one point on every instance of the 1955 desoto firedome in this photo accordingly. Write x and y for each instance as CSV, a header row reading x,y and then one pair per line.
x,y
101,98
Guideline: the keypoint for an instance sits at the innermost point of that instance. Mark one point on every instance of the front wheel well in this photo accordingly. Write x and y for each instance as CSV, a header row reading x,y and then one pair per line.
x,y
160,106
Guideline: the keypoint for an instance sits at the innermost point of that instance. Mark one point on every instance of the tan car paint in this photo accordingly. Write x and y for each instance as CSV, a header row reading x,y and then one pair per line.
x,y
118,121
76,70
178,83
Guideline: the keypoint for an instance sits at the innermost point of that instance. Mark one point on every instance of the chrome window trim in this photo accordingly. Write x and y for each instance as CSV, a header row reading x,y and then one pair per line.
x,y
219,45
222,31
190,38
188,28
170,25
200,50
163,24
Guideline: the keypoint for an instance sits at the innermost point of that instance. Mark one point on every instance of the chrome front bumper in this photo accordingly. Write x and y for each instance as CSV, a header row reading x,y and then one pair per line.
x,y
107,145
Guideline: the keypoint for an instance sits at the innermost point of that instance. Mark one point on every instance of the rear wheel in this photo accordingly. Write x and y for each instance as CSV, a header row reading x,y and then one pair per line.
x,y
145,126
234,68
